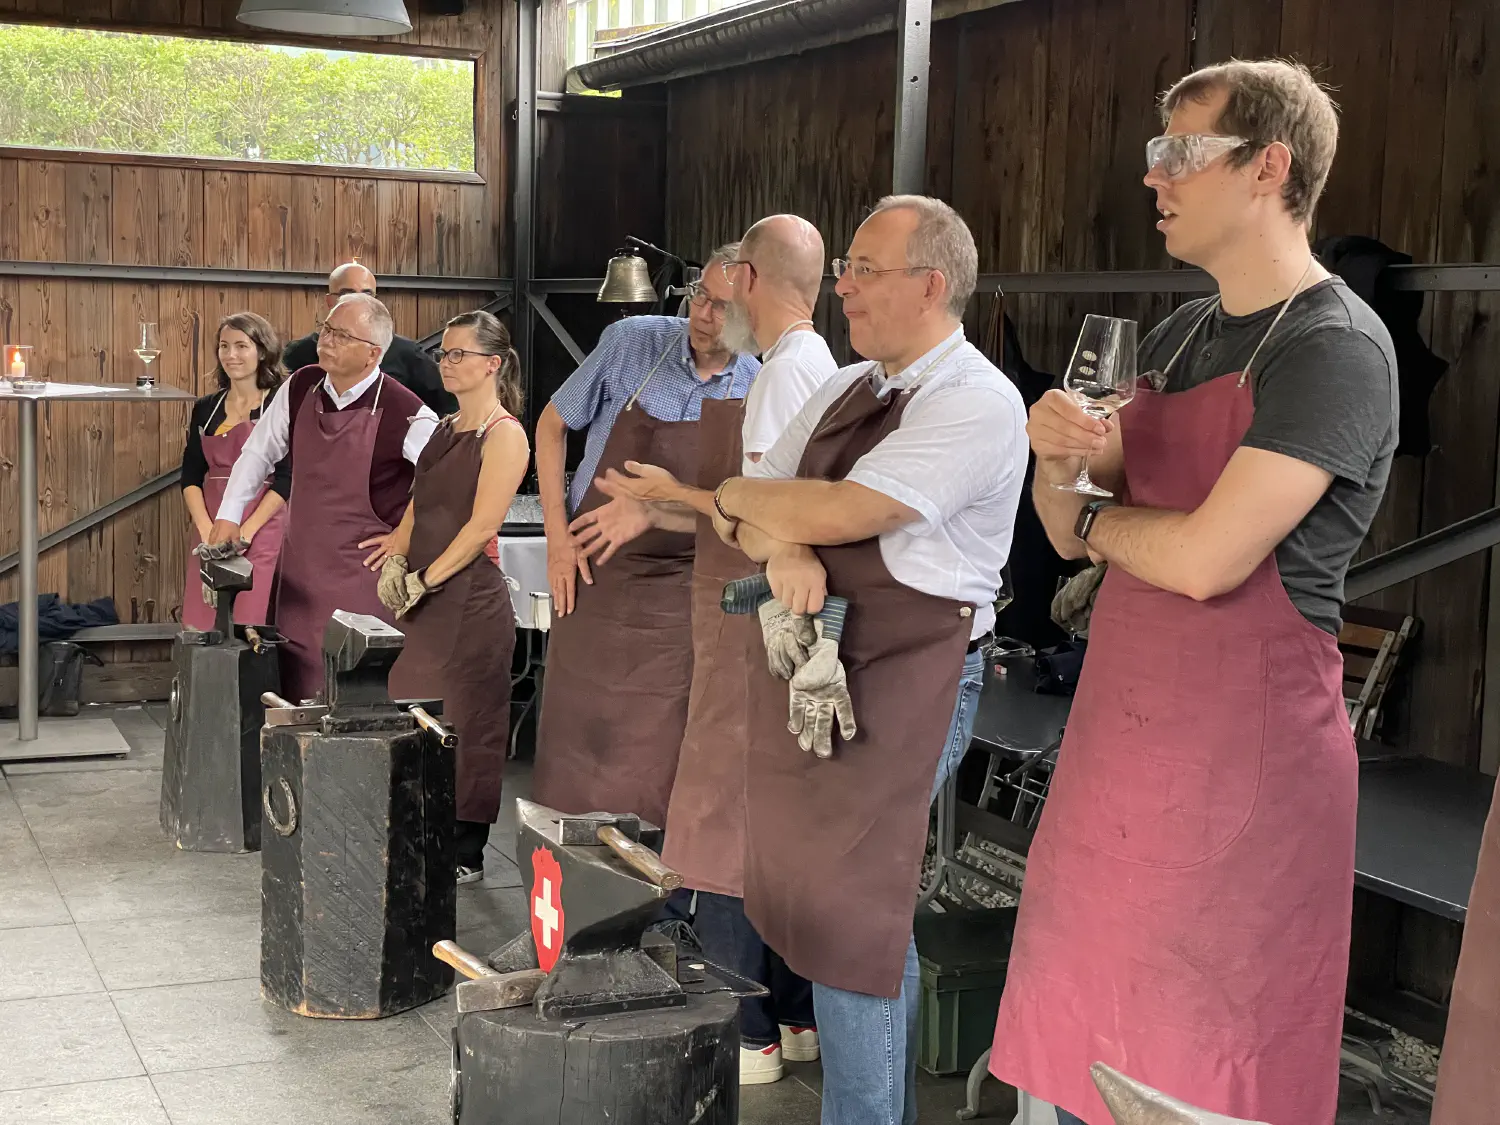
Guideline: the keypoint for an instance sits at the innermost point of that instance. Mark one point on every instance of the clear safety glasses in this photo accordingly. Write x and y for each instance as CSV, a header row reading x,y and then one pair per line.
x,y
1181,154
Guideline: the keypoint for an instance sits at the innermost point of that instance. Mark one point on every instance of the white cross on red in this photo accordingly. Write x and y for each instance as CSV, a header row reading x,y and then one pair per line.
x,y
545,910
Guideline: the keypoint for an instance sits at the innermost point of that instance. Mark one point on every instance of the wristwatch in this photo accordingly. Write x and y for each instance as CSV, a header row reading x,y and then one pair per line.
x,y
1087,514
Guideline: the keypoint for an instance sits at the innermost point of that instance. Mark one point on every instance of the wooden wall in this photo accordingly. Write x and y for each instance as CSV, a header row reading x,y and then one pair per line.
x,y
98,209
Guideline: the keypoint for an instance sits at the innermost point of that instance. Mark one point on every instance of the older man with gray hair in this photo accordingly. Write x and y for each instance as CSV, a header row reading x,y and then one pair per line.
x,y
354,435
894,489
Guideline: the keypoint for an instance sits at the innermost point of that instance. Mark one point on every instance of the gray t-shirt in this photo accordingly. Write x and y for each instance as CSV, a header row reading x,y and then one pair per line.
x,y
1325,393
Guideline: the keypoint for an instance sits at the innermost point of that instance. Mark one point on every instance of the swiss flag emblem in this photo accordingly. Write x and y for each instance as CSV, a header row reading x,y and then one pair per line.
x,y
546,907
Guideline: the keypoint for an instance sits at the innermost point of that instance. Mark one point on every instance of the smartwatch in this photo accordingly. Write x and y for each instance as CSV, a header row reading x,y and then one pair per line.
x,y
1087,514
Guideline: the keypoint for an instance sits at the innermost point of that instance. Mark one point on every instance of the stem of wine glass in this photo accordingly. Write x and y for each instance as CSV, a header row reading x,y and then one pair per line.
x,y
1083,482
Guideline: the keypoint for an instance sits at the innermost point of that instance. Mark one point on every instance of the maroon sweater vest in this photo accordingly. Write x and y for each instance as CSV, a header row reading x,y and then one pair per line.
x,y
390,472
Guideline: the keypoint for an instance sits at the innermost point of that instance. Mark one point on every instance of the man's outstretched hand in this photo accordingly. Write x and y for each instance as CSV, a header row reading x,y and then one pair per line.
x,y
639,482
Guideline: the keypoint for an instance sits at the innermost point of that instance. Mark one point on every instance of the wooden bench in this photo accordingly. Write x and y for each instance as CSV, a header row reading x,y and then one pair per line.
x,y
1372,641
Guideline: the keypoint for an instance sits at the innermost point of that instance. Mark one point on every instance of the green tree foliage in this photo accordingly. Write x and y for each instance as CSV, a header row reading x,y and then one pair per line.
x,y
105,91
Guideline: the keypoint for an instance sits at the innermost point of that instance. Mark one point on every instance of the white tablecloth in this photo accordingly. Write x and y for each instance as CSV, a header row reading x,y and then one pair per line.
x,y
524,558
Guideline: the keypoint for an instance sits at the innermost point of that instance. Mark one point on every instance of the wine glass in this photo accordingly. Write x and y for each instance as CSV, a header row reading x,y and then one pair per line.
x,y
147,351
1100,379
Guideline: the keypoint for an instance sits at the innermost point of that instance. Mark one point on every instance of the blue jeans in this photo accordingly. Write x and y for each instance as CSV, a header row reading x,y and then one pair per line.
x,y
729,939
869,1043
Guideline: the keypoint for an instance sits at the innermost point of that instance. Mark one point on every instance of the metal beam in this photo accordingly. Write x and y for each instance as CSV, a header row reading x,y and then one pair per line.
x,y
208,275
524,196
913,47
539,302
97,516
1410,560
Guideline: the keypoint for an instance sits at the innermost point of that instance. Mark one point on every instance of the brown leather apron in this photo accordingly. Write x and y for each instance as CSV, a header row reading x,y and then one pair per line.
x,y
322,566
620,666
460,638
705,838
1468,1087
833,848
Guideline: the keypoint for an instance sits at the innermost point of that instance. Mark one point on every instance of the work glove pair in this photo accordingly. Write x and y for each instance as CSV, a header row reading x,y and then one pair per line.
x,y
802,649
400,588
225,550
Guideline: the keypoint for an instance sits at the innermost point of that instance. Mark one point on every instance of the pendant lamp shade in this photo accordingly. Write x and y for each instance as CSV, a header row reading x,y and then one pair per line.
x,y
328,17
627,281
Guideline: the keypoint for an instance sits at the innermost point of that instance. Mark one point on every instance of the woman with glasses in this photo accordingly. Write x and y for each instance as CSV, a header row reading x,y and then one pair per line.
x,y
452,603
248,372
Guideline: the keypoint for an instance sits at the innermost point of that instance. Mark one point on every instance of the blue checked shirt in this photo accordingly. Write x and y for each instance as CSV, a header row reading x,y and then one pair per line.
x,y
594,395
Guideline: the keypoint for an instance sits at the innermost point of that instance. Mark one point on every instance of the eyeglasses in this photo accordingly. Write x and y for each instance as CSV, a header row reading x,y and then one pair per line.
x,y
863,271
699,298
458,355
726,263
1182,154
339,337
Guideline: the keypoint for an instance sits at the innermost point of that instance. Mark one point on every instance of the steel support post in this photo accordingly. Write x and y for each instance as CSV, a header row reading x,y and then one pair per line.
x,y
913,43
524,199
26,700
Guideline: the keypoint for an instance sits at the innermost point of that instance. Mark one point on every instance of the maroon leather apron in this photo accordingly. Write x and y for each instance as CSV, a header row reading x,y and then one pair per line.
x,y
252,607
459,638
1468,1087
1188,894
833,848
620,666
329,515
705,838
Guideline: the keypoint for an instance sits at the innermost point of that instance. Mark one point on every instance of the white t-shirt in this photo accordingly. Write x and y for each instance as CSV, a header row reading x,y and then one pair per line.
x,y
958,459
789,374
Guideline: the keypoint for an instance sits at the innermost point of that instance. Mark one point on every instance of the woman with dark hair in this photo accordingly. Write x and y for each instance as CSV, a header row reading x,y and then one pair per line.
x,y
450,600
248,372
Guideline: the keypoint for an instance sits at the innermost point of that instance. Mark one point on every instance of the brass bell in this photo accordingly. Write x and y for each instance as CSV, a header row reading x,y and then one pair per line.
x,y
627,281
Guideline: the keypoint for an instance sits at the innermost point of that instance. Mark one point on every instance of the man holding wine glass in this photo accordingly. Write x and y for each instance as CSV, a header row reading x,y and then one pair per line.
x,y
1188,894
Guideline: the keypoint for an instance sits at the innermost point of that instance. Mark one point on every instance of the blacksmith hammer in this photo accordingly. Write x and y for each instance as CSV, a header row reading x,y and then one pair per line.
x,y
621,834
487,990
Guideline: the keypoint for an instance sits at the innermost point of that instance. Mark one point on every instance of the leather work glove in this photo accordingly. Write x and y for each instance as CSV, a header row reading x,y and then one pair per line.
x,y
819,689
413,590
787,637
1073,605
391,589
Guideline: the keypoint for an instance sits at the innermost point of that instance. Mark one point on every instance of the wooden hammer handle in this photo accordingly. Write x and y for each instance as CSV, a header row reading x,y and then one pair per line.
x,y
462,960
641,858
271,699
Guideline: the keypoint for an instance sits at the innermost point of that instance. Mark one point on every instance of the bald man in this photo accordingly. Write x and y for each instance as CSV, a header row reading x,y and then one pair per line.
x,y
775,275
404,362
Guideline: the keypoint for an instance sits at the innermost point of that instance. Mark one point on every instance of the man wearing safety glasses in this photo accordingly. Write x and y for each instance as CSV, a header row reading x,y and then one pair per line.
x,y
620,656
1187,904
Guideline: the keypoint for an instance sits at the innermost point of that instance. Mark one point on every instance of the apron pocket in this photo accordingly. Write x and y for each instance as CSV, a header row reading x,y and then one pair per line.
x,y
1168,744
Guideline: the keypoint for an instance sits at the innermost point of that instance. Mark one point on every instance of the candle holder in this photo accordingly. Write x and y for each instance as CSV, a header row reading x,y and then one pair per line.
x,y
18,371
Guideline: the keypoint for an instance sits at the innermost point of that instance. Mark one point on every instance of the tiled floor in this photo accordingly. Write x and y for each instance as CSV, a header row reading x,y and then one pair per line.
x,y
129,978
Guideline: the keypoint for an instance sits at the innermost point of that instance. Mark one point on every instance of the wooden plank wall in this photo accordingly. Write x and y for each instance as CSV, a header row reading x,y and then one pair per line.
x,y
128,212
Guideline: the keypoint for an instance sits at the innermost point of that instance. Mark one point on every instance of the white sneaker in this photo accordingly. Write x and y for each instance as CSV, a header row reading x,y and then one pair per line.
x,y
759,1065
799,1044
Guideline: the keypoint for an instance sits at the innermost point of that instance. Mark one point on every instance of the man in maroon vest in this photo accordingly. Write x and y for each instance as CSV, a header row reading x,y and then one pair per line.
x,y
354,435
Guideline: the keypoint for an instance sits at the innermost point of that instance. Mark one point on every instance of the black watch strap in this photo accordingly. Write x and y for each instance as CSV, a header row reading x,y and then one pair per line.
x,y
1086,516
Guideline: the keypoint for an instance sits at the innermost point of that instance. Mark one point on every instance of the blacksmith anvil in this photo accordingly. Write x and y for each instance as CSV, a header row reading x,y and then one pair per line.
x,y
210,778
587,1016
358,864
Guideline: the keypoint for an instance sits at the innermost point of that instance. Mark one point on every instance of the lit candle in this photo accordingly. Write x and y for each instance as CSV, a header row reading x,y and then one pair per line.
x,y
17,364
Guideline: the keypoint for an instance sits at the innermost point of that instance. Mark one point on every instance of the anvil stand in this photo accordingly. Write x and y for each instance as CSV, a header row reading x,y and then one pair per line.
x,y
77,738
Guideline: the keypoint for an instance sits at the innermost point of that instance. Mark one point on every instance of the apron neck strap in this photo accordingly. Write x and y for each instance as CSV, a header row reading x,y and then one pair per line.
x,y
659,359
379,386
1245,374
203,429
928,370
784,334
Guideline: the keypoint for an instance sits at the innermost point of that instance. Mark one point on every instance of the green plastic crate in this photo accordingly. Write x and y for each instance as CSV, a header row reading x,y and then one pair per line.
x,y
963,957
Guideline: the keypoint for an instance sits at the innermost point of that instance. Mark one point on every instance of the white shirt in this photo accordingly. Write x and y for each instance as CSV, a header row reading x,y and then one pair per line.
x,y
269,441
791,370
958,459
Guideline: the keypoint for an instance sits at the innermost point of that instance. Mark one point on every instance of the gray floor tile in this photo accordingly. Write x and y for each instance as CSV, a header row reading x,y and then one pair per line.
x,y
93,814
63,1039
442,1014
787,1102
387,1087
487,919
28,896
158,713
45,961
122,1101
144,952
226,1023
169,884
499,871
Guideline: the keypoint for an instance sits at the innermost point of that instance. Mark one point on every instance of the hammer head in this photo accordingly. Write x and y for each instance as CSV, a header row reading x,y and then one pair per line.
x,y
227,576
498,990
584,828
